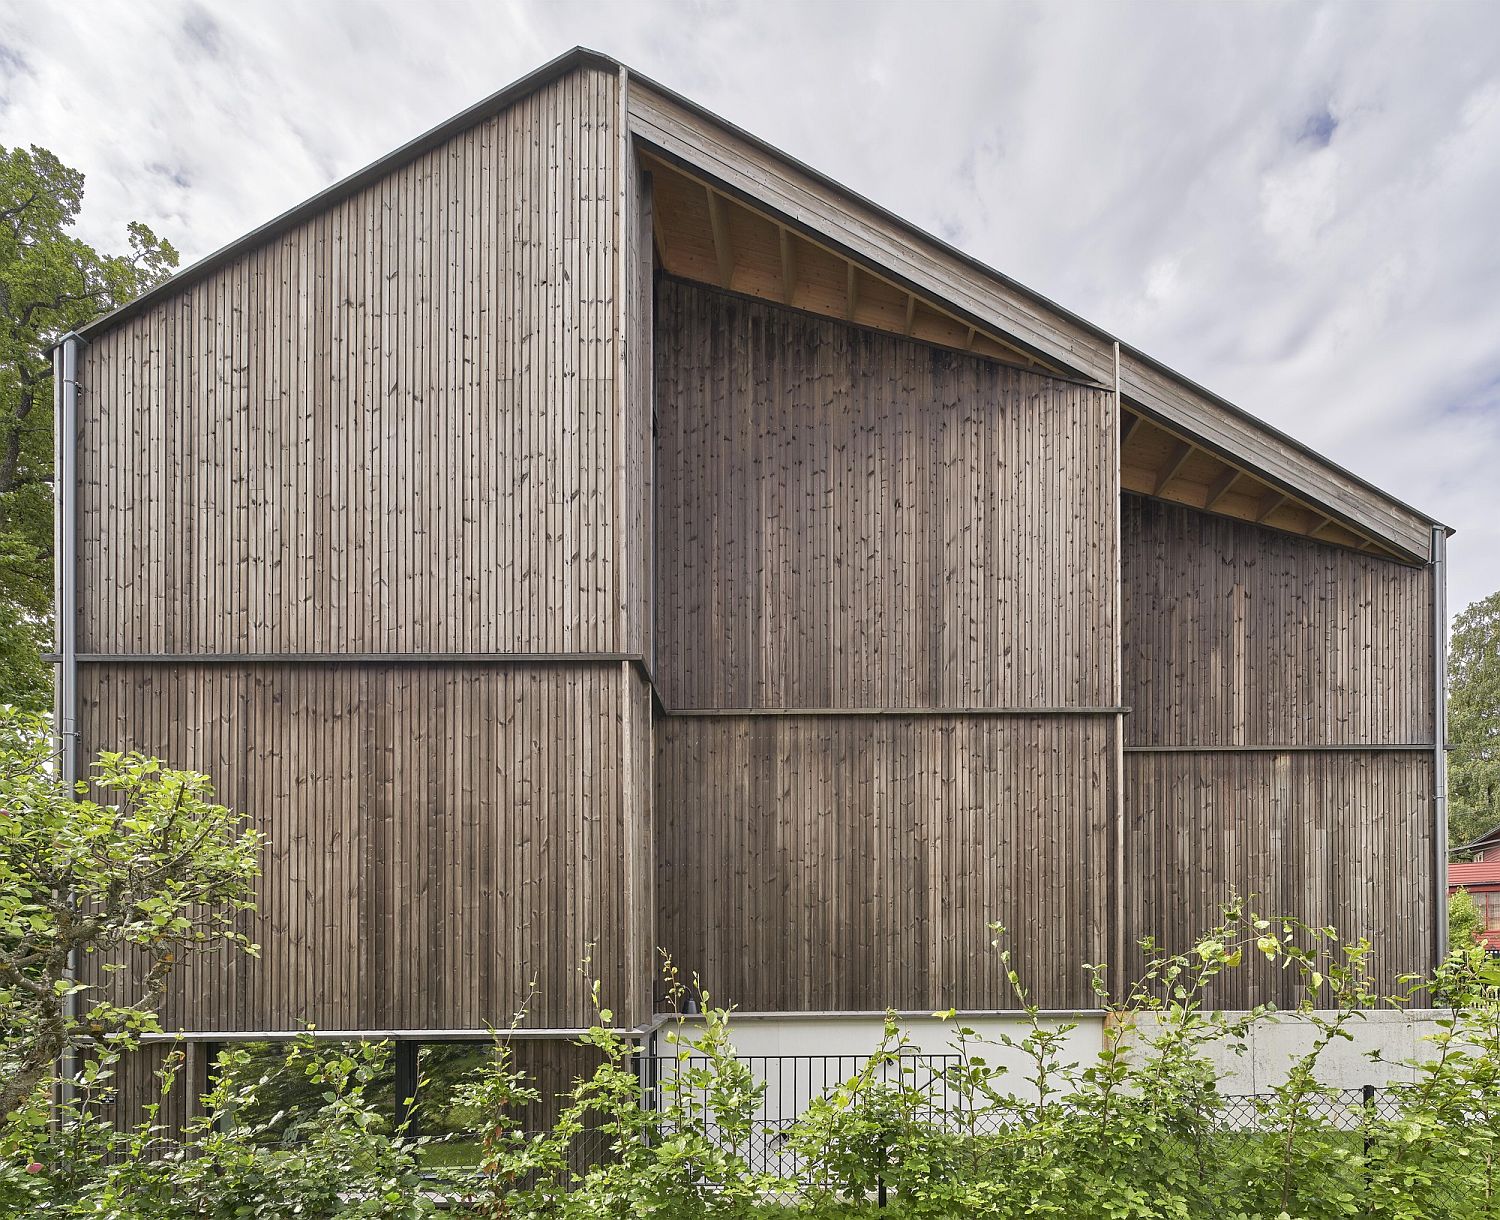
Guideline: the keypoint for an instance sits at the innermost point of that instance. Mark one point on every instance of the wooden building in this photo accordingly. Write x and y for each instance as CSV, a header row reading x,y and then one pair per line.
x,y
1479,874
588,529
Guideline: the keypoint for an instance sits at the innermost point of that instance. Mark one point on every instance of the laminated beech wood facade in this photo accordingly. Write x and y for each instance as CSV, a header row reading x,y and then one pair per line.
x,y
586,532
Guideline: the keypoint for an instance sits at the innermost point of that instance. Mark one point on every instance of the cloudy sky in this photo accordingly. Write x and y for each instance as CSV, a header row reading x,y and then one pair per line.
x,y
1296,204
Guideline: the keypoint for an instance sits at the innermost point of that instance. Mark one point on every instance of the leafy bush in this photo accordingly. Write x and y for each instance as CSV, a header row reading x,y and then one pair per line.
x,y
1465,922
681,1158
153,870
1139,1129
339,1159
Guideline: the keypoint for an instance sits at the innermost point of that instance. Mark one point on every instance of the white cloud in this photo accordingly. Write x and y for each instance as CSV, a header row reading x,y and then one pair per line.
x,y
1293,204
1298,202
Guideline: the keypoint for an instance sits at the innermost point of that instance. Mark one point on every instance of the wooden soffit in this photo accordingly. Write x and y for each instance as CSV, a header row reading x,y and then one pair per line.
x,y
728,210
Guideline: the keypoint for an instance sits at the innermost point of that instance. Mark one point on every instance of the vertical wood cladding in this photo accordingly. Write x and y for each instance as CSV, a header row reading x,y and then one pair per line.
x,y
438,837
1238,635
850,519
636,433
835,863
1341,839
393,428
1239,641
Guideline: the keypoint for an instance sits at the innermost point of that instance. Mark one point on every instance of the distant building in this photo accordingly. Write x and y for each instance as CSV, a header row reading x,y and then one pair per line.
x,y
1481,877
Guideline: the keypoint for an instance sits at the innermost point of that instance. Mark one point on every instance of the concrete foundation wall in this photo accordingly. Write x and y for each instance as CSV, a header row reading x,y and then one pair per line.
x,y
1255,1065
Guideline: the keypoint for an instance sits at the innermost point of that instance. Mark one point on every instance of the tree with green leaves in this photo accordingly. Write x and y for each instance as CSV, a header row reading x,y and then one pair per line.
x,y
151,872
1474,722
51,281
1465,922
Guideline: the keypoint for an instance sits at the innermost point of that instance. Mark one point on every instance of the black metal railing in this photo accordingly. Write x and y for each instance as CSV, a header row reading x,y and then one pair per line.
x,y
1207,1143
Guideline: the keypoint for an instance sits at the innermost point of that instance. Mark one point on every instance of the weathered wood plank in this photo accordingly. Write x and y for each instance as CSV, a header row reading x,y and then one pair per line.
x,y
826,864
389,797
1309,834
1240,635
372,483
850,519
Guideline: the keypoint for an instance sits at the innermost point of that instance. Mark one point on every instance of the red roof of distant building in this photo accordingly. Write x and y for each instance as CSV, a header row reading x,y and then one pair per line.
x,y
1480,872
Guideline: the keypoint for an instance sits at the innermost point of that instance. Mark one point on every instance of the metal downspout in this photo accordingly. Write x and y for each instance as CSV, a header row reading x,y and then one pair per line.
x,y
65,564
1440,730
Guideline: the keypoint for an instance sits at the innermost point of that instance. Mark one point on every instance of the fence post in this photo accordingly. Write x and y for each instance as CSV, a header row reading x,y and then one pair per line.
x,y
1368,1095
201,1073
880,1199
406,1088
644,1095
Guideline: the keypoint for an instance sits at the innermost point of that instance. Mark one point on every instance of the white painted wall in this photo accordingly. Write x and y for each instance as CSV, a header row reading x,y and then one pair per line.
x,y
837,1043
1274,1043
1268,1051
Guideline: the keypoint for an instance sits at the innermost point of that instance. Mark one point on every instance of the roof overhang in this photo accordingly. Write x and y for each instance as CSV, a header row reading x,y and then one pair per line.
x,y
680,133
684,134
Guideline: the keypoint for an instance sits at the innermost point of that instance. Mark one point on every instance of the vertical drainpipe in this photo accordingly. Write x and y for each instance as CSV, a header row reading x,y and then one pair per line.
x,y
1440,730
1118,942
65,578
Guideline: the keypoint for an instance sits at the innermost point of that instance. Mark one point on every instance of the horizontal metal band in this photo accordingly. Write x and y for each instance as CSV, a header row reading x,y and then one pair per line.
x,y
353,658
897,711
657,1022
1333,748
397,1035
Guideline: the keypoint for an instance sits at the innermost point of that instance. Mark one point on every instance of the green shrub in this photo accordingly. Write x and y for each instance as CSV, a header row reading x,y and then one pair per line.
x,y
1138,1130
237,1158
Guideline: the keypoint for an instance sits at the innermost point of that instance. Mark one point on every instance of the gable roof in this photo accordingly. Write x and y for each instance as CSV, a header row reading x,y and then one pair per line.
x,y
681,132
1488,839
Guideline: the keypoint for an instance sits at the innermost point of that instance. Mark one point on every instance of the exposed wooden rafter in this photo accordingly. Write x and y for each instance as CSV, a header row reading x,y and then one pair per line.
x,y
723,251
793,267
1269,503
704,233
788,267
1174,466
1221,487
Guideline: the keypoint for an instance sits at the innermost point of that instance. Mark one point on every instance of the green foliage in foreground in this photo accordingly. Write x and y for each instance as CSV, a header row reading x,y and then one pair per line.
x,y
1139,1131
153,869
